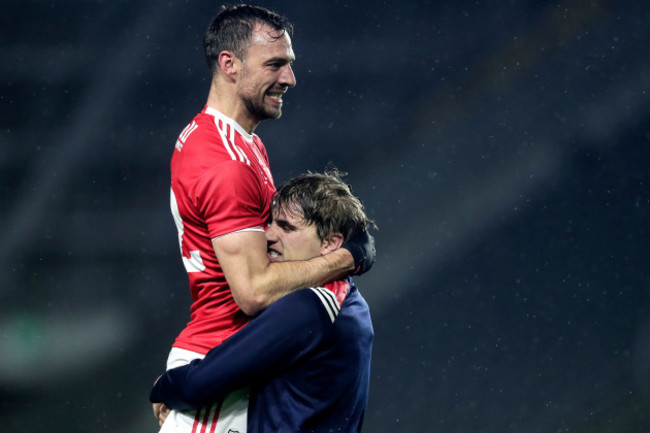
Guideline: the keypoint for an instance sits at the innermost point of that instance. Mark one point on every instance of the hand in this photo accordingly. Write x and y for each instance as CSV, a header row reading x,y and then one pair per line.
x,y
160,412
362,247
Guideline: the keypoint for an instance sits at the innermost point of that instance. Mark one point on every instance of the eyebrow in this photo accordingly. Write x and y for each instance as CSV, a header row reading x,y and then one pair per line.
x,y
279,60
284,223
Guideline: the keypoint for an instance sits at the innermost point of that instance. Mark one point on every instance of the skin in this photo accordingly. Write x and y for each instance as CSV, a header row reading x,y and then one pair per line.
x,y
288,238
266,75
251,90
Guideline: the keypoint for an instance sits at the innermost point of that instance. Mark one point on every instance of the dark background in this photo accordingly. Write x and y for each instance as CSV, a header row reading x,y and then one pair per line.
x,y
501,146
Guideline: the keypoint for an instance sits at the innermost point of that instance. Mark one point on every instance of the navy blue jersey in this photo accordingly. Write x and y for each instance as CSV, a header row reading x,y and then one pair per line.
x,y
306,361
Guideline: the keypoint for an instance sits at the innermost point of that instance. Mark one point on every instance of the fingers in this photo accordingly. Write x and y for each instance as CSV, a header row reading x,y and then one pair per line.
x,y
156,409
162,415
160,412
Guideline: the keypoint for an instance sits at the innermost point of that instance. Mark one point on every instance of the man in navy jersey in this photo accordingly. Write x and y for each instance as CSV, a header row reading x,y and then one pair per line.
x,y
306,357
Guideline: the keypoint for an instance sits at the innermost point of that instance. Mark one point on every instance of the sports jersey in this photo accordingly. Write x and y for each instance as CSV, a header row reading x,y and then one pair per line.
x,y
220,184
306,360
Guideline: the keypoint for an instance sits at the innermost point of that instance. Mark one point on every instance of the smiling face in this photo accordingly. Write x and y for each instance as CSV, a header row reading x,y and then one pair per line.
x,y
266,73
289,238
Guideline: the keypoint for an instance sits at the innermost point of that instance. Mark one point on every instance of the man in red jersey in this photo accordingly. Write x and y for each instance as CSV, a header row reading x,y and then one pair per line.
x,y
221,191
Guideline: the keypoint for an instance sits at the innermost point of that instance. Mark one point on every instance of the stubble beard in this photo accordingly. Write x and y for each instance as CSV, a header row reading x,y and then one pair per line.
x,y
259,111
257,108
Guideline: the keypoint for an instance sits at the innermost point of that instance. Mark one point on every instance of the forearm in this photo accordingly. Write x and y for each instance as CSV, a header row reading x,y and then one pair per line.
x,y
256,283
282,278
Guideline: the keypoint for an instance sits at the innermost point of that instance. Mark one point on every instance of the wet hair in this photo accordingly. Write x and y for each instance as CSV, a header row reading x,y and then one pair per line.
x,y
322,199
232,29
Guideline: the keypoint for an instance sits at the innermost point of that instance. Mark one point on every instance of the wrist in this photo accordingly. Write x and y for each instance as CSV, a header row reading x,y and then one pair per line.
x,y
347,258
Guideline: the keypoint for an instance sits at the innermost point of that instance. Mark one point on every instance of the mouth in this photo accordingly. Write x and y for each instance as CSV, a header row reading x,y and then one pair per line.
x,y
276,97
273,255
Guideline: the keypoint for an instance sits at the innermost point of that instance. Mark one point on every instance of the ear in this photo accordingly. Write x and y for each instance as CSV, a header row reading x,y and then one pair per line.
x,y
228,63
331,243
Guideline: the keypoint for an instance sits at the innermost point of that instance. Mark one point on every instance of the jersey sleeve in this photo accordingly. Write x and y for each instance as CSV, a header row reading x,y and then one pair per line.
x,y
267,346
229,198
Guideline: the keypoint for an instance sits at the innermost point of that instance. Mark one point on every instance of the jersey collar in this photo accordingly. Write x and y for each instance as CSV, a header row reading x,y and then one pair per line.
x,y
219,115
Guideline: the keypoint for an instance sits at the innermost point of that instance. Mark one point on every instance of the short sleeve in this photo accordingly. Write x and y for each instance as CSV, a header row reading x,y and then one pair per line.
x,y
229,198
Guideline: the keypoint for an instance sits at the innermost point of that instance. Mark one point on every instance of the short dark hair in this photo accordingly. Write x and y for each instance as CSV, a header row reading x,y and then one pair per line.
x,y
324,200
232,28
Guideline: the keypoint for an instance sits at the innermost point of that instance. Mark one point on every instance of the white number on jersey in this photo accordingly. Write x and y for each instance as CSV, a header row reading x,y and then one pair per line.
x,y
193,263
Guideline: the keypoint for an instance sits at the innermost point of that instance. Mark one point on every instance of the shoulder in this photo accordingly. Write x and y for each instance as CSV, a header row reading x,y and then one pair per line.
x,y
356,302
313,305
198,148
201,128
325,300
355,314
209,137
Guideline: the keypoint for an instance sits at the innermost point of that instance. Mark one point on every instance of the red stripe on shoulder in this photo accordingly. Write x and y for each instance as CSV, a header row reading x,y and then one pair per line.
x,y
340,289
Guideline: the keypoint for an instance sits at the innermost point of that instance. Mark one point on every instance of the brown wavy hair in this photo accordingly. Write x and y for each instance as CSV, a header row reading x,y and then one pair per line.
x,y
325,200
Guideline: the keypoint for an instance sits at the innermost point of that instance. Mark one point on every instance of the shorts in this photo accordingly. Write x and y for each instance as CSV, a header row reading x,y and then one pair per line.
x,y
227,416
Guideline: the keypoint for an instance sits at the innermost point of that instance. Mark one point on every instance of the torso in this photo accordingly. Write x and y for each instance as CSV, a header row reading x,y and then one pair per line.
x,y
220,184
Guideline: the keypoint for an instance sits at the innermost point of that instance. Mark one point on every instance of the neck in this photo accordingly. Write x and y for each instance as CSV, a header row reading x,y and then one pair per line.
x,y
223,98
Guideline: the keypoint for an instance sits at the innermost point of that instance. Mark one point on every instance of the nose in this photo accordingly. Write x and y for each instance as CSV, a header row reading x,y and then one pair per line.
x,y
271,233
287,77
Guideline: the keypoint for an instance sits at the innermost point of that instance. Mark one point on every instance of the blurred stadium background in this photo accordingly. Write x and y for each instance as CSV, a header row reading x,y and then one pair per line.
x,y
502,147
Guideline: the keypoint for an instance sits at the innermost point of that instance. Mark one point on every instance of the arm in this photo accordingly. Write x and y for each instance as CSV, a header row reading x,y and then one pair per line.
x,y
256,283
230,195
272,342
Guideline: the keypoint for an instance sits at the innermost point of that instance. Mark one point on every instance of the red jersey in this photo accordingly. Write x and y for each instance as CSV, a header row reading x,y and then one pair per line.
x,y
220,184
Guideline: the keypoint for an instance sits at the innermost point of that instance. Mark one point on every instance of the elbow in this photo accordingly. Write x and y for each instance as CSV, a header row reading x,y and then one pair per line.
x,y
251,302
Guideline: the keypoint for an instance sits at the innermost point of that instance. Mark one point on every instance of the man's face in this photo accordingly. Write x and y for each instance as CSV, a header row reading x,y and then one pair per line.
x,y
289,238
266,73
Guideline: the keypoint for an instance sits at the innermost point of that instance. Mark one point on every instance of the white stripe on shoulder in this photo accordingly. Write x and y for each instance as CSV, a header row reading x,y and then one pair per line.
x,y
240,152
226,143
328,300
227,128
230,121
